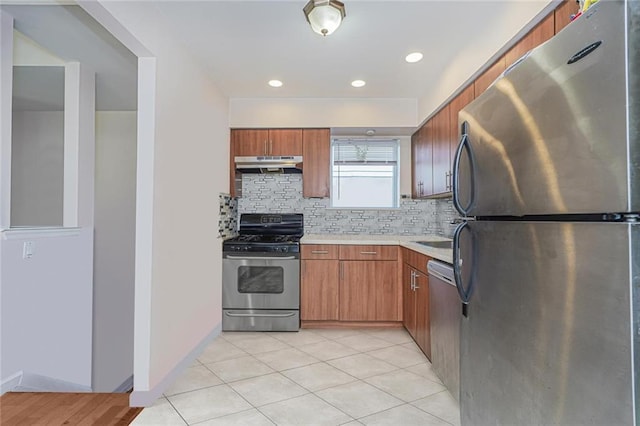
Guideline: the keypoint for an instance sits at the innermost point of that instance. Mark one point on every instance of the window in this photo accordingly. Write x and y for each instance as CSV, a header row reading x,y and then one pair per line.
x,y
364,173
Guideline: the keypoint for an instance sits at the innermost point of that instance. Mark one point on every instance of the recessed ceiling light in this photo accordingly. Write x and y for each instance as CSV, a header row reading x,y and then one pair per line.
x,y
413,57
275,83
358,83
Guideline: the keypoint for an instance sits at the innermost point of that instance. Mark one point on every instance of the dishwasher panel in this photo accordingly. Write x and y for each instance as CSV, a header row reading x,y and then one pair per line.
x,y
445,310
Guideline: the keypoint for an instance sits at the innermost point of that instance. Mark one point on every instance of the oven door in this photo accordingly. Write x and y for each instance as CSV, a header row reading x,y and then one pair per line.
x,y
260,281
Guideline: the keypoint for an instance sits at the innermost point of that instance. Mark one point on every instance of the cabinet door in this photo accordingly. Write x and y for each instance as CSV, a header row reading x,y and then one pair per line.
x,y
316,157
423,325
387,291
538,35
486,78
457,104
319,285
441,142
249,142
424,155
408,301
415,178
562,14
357,291
285,142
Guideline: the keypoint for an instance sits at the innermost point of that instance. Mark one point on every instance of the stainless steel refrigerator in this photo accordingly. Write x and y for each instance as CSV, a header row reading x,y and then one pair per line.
x,y
547,264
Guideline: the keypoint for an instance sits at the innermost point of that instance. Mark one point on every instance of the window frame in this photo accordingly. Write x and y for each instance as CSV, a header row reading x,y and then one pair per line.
x,y
396,173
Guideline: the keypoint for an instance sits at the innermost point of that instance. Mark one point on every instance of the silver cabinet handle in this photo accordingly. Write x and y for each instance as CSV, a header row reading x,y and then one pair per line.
x,y
289,314
319,251
264,148
412,281
259,258
270,147
415,284
368,252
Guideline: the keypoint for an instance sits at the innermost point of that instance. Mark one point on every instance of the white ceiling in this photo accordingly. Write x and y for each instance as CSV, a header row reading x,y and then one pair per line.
x,y
244,44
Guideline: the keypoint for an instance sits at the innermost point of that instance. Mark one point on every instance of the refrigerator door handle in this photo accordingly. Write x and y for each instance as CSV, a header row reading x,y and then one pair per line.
x,y
463,145
465,294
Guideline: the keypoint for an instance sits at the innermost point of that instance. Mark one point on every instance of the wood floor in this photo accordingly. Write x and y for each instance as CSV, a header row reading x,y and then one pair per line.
x,y
47,408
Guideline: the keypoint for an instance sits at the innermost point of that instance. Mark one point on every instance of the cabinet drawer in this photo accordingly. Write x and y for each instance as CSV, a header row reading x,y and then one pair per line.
x,y
415,260
361,252
319,251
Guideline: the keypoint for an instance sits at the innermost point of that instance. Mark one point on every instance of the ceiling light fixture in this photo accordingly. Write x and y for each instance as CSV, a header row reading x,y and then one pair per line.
x,y
275,83
413,57
358,83
324,16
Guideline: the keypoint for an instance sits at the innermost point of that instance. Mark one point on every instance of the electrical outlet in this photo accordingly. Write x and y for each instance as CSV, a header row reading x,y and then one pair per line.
x,y
28,249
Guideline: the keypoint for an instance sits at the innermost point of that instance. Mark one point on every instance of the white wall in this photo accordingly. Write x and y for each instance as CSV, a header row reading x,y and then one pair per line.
x,y
46,304
191,150
114,249
37,168
286,112
517,19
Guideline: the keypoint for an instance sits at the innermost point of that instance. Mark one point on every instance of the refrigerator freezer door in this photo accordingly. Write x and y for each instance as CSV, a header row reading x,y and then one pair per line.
x,y
548,334
556,138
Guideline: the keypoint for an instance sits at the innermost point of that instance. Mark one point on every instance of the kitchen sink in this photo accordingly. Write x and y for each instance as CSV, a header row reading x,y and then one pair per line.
x,y
437,244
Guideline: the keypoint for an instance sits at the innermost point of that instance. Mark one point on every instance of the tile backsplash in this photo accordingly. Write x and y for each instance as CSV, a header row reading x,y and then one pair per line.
x,y
282,193
228,222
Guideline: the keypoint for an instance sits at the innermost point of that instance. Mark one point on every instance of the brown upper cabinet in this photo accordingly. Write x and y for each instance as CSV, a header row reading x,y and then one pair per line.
x,y
433,146
422,157
441,149
313,144
485,79
538,35
562,15
316,159
463,99
266,142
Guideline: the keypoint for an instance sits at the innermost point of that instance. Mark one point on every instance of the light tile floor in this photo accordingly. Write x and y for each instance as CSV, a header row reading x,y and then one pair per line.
x,y
312,377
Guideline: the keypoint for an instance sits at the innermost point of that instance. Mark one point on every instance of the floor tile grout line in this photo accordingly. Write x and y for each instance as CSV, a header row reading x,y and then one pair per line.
x,y
329,387
337,408
389,393
286,399
178,412
221,417
426,378
421,409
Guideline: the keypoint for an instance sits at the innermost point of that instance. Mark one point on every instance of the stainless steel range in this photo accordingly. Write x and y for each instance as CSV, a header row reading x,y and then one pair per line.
x,y
261,274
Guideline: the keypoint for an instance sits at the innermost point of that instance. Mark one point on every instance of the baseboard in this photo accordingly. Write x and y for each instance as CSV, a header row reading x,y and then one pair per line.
x,y
126,386
146,398
10,383
38,383
350,324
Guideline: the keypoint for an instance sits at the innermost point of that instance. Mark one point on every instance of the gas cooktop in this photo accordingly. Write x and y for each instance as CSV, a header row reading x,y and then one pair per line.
x,y
260,232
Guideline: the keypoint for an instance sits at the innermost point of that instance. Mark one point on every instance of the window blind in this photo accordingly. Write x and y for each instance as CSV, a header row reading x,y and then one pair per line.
x,y
360,152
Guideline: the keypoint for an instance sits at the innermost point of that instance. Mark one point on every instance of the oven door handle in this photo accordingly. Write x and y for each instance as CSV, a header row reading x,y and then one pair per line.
x,y
289,314
259,257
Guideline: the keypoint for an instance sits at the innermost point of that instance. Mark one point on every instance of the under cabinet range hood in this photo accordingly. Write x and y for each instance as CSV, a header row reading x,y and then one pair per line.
x,y
269,164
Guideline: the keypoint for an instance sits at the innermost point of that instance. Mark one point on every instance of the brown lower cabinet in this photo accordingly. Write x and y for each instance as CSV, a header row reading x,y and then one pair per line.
x,y
368,290
340,283
415,282
319,290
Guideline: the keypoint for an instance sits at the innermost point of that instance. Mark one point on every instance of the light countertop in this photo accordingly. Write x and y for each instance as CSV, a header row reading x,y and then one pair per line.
x,y
408,241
